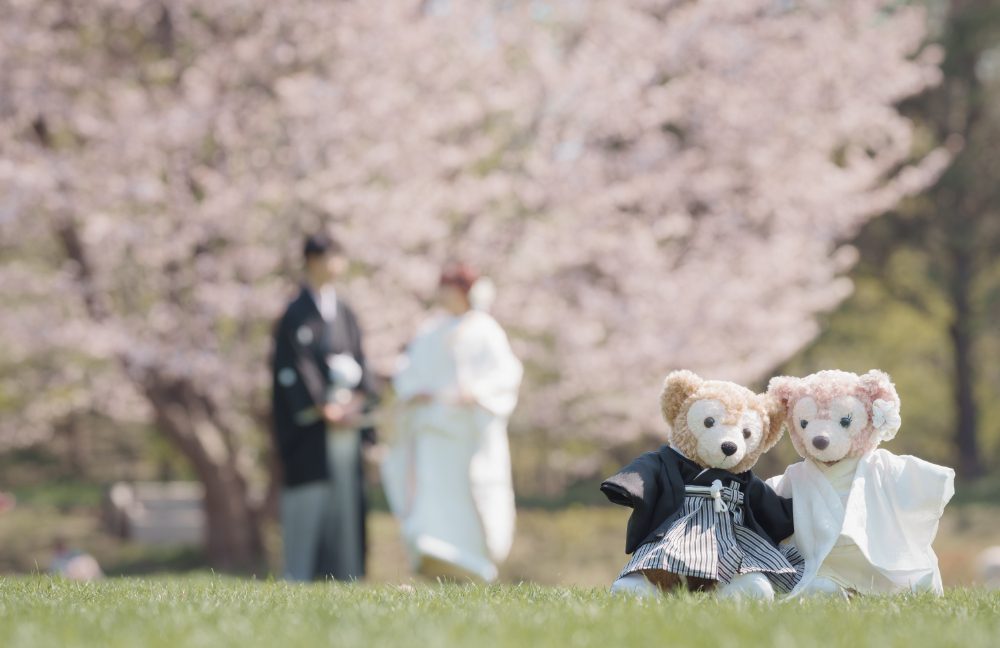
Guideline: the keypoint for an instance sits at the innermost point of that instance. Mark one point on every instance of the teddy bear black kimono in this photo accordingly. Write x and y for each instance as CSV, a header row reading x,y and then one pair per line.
x,y
700,516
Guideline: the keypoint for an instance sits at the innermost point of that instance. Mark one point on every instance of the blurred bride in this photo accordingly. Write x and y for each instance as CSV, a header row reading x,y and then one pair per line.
x,y
448,477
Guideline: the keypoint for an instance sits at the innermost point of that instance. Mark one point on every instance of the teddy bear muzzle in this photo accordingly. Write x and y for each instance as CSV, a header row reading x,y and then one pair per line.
x,y
825,439
821,442
722,447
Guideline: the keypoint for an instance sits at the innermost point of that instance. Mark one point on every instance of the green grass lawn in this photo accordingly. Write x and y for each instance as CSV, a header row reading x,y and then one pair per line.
x,y
218,612
578,545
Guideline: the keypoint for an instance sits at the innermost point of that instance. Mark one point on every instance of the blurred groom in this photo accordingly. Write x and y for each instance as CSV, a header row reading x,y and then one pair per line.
x,y
322,389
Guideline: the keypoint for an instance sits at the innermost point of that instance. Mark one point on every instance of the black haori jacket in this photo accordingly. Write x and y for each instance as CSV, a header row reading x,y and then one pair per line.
x,y
300,374
653,487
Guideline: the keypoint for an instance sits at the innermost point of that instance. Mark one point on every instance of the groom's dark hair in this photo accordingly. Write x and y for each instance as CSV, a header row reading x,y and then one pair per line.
x,y
320,243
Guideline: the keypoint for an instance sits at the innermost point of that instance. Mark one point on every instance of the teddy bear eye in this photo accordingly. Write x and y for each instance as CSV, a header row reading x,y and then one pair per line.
x,y
845,422
746,433
803,423
709,422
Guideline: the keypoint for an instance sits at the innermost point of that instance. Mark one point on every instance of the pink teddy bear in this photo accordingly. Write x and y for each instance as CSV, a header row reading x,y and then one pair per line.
x,y
864,517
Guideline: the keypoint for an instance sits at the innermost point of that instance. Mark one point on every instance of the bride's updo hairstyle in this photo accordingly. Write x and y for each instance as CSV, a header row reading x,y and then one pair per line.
x,y
478,289
459,275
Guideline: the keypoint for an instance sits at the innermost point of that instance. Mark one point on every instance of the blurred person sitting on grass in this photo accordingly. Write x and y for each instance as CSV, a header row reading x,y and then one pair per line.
x,y
74,564
448,474
322,388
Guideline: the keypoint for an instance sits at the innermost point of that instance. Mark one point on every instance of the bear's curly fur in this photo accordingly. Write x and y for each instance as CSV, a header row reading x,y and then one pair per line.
x,y
825,387
682,389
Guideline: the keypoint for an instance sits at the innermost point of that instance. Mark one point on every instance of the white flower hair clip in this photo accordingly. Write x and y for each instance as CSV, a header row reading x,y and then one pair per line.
x,y
482,293
885,420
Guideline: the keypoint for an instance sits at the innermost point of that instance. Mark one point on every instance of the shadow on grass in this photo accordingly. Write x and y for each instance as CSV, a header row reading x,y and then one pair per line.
x,y
180,560
161,560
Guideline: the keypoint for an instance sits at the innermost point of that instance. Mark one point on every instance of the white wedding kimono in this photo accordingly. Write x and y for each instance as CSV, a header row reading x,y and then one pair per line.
x,y
448,474
869,529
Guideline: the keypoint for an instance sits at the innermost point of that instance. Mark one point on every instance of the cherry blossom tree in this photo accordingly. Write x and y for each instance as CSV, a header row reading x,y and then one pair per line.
x,y
651,184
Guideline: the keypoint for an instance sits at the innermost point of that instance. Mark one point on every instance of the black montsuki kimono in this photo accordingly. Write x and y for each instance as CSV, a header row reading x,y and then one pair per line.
x,y
301,378
653,487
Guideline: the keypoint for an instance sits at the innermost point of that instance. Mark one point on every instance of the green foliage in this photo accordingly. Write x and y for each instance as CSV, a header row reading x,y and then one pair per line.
x,y
61,495
899,320
218,612
876,330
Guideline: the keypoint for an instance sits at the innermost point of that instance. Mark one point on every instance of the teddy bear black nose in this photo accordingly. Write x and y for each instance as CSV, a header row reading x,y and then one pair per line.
x,y
821,442
729,448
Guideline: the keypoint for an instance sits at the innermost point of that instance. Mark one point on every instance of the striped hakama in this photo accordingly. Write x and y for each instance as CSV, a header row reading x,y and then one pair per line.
x,y
709,541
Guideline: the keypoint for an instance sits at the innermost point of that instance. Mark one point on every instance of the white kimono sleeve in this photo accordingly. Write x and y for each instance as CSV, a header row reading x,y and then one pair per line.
x,y
421,366
485,365
894,518
892,515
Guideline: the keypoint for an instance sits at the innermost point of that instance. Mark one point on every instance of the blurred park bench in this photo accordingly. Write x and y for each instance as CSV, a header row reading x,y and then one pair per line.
x,y
158,512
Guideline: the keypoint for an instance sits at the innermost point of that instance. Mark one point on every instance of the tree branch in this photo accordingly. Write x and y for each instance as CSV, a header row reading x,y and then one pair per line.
x,y
68,235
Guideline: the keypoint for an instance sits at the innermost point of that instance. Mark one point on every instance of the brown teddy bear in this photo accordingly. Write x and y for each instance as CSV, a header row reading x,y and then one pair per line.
x,y
700,517
864,518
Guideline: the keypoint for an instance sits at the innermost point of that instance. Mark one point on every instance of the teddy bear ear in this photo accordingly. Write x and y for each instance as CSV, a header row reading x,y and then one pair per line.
x,y
783,388
677,388
877,385
775,409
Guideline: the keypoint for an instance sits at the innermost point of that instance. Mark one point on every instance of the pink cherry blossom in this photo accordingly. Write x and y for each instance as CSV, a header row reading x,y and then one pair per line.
x,y
652,185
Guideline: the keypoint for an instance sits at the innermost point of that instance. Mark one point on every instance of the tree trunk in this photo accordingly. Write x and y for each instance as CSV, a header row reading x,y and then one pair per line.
x,y
961,335
232,534
233,537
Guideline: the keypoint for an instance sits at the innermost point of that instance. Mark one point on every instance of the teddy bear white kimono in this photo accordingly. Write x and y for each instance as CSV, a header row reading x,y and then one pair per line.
x,y
864,517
